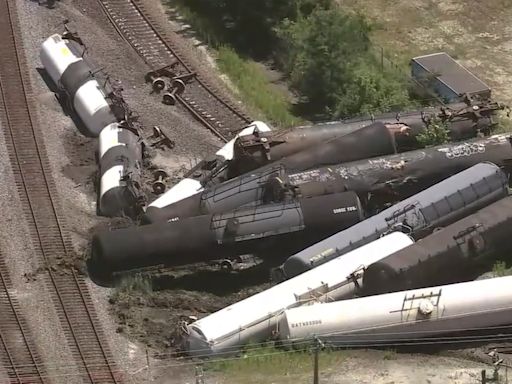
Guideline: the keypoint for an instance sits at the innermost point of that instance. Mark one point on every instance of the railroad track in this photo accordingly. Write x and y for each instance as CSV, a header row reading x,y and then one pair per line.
x,y
18,354
37,191
159,49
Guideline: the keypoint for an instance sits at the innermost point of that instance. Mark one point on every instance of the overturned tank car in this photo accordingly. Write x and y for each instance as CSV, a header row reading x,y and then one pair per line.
x,y
284,227
437,206
379,180
460,252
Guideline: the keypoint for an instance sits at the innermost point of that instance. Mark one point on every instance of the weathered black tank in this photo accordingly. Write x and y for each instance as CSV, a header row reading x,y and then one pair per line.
x,y
286,226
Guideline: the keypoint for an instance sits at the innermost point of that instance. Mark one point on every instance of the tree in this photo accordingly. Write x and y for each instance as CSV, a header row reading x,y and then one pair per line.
x,y
329,59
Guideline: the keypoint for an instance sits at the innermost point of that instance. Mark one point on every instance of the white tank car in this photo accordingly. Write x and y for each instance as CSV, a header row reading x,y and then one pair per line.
x,y
120,160
188,187
57,55
402,316
255,318
62,61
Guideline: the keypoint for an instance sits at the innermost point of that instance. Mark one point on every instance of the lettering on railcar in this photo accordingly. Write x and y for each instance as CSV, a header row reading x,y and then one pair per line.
x,y
306,323
352,208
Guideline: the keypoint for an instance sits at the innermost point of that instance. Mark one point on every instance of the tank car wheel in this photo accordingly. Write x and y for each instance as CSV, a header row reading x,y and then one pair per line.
x,y
158,84
158,187
160,173
169,98
179,85
226,265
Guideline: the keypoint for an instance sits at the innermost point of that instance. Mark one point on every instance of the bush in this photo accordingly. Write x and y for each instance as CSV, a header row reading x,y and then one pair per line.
x,y
329,59
436,133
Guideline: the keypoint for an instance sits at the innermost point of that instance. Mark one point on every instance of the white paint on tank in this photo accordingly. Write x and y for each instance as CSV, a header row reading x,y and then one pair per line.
x,y
109,138
111,179
255,318
189,187
56,57
403,315
89,99
185,188
226,152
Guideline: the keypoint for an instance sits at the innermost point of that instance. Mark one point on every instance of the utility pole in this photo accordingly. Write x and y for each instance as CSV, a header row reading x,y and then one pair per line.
x,y
317,346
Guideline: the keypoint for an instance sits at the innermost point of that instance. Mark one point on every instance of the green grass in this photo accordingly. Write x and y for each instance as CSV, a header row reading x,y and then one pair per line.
x,y
132,284
273,365
266,101
499,269
504,124
255,89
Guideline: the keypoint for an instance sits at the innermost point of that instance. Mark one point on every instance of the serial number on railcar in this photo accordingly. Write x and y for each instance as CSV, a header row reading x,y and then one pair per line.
x,y
306,323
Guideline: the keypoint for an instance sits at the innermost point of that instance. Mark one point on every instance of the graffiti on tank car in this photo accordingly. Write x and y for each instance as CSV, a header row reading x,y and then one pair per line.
x,y
320,175
466,149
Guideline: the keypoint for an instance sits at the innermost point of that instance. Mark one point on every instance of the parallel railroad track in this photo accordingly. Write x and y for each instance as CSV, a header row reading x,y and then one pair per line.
x,y
51,242
18,354
158,49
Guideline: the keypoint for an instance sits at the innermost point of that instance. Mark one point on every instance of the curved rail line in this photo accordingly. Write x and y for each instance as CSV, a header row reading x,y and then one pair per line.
x,y
158,49
37,191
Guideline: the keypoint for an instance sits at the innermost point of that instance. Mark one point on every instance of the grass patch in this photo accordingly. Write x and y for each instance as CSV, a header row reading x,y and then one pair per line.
x,y
499,269
131,285
269,364
504,124
265,100
255,89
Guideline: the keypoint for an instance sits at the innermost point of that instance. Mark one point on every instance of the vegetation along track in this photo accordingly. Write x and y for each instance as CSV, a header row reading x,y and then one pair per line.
x,y
37,190
159,49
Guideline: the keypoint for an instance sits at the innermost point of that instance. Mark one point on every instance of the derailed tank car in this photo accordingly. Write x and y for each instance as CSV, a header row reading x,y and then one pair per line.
x,y
189,185
459,252
373,140
62,60
286,226
253,151
402,317
256,317
106,117
120,159
385,179
439,205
